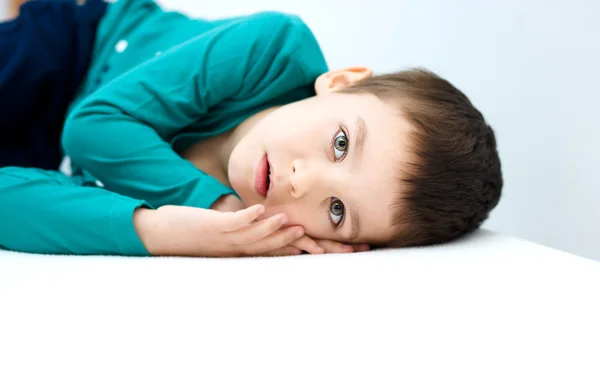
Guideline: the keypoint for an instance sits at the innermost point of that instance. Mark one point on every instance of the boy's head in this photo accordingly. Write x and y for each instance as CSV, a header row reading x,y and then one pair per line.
x,y
393,160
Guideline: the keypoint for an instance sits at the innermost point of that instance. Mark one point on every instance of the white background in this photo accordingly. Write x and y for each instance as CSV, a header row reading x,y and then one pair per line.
x,y
3,9
530,67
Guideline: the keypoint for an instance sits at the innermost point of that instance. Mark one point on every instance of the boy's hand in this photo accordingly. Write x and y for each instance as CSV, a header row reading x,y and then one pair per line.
x,y
318,246
228,203
191,231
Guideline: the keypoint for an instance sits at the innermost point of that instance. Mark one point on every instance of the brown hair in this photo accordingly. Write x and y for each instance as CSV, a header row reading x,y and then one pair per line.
x,y
456,178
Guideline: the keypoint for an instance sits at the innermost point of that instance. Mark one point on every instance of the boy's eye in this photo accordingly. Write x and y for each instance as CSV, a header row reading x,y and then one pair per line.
x,y
336,211
340,145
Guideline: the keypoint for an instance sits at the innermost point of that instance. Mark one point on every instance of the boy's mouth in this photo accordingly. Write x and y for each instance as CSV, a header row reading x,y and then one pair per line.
x,y
262,180
268,176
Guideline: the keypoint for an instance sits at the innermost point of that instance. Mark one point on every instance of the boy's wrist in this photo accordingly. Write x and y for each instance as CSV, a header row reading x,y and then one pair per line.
x,y
146,226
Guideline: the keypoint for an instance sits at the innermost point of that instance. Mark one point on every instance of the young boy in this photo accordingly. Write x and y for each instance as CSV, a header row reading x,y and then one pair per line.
x,y
231,137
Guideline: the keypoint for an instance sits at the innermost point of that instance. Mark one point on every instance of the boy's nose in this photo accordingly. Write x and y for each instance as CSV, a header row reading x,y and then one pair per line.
x,y
302,179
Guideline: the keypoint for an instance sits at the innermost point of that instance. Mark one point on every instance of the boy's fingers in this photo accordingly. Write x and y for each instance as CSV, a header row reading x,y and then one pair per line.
x,y
361,247
231,221
332,246
252,233
307,244
285,251
274,241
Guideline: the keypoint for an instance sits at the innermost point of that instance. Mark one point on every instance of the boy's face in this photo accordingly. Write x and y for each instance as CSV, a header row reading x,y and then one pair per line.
x,y
333,162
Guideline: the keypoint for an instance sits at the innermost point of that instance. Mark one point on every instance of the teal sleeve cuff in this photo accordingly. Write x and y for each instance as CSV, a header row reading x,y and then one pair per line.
x,y
122,227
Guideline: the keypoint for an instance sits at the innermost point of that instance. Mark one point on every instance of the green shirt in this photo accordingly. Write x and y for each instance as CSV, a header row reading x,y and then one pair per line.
x,y
208,78
159,82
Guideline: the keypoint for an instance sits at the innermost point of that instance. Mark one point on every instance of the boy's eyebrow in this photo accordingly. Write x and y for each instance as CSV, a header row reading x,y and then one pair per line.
x,y
356,226
361,135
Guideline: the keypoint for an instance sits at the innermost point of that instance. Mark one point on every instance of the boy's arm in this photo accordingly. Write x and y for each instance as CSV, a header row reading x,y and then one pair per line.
x,y
192,231
45,212
120,133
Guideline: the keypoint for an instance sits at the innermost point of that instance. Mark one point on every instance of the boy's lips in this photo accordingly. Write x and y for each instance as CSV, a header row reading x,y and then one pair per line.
x,y
260,176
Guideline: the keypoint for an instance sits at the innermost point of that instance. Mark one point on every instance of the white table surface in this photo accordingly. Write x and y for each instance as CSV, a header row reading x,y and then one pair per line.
x,y
489,306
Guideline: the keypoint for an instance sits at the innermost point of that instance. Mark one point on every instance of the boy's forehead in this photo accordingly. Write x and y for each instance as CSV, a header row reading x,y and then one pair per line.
x,y
379,178
374,191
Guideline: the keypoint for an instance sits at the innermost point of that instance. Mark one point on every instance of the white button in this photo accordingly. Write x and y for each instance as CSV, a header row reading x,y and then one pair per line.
x,y
158,53
121,46
80,2
65,166
99,184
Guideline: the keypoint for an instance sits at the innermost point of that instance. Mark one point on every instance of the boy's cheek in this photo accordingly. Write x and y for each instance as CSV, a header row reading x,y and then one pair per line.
x,y
295,217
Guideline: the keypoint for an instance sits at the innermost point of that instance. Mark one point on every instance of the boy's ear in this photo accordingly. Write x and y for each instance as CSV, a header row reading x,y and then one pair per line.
x,y
338,79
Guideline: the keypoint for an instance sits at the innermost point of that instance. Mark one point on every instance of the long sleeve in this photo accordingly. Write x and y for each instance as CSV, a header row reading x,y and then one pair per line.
x,y
47,212
121,134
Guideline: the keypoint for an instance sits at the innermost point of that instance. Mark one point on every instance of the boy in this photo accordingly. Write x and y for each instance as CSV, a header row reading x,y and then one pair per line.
x,y
179,125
